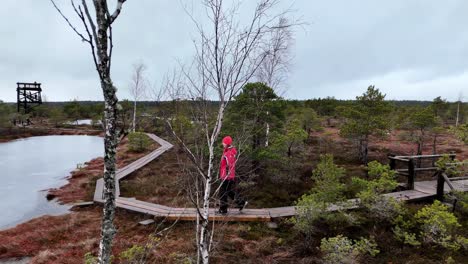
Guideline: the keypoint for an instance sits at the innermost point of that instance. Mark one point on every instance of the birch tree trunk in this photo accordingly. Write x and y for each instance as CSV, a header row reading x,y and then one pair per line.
x,y
228,55
110,142
137,88
204,243
134,116
99,37
111,138
205,236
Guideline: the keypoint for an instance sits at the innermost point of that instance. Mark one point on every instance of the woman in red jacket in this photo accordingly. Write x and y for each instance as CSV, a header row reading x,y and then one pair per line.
x,y
227,175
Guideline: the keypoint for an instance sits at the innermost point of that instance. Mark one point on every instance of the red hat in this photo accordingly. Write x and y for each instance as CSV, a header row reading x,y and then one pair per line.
x,y
227,140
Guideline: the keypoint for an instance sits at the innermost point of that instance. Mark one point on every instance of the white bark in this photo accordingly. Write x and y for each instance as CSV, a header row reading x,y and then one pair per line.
x,y
267,133
99,37
459,102
227,57
134,116
137,88
274,69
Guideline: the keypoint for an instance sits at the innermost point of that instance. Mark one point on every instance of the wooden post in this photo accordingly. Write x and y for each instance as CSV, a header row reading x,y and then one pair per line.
x,y
411,174
452,155
18,98
392,161
440,187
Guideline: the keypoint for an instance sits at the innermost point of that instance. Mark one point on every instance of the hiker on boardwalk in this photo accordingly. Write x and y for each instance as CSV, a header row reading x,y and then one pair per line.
x,y
227,175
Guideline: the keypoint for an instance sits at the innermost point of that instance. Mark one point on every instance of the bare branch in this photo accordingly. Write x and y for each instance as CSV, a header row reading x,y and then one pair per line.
x,y
117,11
70,24
90,20
92,37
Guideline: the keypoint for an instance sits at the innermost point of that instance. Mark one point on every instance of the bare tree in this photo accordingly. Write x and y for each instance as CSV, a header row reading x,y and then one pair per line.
x,y
459,101
228,55
98,35
274,69
137,88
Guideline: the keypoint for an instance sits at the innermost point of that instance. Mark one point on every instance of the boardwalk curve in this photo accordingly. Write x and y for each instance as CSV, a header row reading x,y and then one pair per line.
x,y
422,190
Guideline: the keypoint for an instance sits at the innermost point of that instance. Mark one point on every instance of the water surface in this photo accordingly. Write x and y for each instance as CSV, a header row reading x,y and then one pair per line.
x,y
30,166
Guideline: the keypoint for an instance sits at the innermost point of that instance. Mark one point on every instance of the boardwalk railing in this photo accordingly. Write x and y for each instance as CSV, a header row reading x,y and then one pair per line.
x,y
453,183
414,164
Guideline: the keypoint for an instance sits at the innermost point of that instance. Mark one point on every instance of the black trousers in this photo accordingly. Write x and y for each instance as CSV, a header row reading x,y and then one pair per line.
x,y
228,190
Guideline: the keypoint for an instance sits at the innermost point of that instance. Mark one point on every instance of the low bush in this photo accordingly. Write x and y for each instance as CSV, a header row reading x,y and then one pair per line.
x,y
138,142
342,250
382,180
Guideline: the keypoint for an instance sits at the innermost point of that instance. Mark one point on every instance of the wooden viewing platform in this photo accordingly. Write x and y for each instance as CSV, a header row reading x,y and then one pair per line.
x,y
421,190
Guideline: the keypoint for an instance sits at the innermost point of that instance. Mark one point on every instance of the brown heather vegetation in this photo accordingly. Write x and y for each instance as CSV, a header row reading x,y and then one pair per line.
x,y
67,238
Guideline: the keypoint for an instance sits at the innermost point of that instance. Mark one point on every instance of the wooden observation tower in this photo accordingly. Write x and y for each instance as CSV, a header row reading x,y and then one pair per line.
x,y
28,95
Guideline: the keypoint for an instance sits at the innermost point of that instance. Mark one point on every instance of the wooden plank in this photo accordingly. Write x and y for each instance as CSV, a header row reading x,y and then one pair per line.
x,y
409,195
213,211
136,202
117,188
429,187
460,185
221,218
98,191
282,211
458,178
398,158
424,156
82,204
139,210
146,222
449,183
417,169
127,170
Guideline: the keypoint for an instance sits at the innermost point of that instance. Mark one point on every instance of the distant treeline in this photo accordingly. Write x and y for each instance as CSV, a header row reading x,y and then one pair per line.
x,y
74,110
292,102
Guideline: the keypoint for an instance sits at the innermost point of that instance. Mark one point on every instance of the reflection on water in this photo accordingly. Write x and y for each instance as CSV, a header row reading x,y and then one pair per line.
x,y
84,122
30,166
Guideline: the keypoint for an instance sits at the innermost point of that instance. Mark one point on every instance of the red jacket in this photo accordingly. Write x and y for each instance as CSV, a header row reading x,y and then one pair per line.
x,y
227,170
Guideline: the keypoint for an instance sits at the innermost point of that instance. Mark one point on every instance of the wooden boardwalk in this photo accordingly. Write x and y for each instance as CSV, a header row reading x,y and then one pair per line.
x,y
422,190
426,190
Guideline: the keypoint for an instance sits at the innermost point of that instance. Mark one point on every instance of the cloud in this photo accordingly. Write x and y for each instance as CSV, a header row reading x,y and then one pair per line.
x,y
410,49
413,84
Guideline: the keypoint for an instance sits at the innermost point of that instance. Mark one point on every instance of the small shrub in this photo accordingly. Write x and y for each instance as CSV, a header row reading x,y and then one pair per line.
x,y
382,181
138,142
406,237
451,170
89,258
461,132
462,202
438,226
342,250
328,190
450,260
180,258
135,254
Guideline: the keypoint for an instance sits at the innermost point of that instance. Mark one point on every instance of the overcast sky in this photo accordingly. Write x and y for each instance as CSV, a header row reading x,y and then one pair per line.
x,y
410,49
